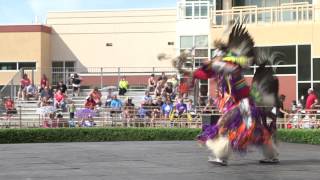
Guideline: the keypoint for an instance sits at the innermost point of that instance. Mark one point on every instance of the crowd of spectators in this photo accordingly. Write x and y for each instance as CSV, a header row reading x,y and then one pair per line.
x,y
166,97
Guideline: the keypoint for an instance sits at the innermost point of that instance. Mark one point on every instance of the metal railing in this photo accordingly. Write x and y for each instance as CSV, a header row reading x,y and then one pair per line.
x,y
286,13
302,119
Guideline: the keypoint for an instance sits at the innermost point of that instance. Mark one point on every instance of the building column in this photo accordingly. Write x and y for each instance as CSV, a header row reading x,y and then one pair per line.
x,y
227,4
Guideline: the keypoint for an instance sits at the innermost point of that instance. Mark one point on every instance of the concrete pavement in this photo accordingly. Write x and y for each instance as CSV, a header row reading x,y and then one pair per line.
x,y
177,160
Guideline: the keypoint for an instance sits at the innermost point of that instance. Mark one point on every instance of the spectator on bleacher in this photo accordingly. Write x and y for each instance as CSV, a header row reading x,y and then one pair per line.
x,y
147,96
96,95
9,106
159,88
312,99
181,108
168,91
183,88
128,110
115,105
163,77
62,87
142,112
31,92
24,83
174,81
76,83
90,103
59,100
109,98
44,82
123,86
151,83
166,108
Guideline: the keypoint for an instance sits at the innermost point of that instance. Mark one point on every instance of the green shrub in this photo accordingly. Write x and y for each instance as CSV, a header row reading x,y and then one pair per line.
x,y
132,134
95,134
308,136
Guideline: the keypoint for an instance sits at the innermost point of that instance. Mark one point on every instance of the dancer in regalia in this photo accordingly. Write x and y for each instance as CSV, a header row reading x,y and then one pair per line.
x,y
242,122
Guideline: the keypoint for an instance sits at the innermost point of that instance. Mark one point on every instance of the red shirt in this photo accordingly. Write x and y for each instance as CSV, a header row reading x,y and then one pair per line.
x,y
44,82
311,100
59,97
9,104
25,82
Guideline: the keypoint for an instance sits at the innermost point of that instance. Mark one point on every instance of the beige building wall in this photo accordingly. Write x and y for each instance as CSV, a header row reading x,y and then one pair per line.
x,y
24,44
282,34
137,37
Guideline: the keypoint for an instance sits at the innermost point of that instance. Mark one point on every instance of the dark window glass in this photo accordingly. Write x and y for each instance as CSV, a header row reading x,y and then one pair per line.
x,y
316,69
198,62
57,64
304,60
285,70
285,54
8,66
303,90
27,65
316,87
219,4
248,71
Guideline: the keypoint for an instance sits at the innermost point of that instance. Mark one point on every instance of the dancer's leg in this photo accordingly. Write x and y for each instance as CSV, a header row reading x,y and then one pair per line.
x,y
220,148
270,152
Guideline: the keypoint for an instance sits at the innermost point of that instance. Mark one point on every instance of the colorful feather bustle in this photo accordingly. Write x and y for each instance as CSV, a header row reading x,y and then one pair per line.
x,y
241,121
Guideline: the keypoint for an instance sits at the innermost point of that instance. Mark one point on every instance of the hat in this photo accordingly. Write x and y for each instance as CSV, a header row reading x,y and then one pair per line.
x,y
310,90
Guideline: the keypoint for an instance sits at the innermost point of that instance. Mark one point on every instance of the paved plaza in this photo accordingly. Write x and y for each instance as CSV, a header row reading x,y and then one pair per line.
x,y
176,160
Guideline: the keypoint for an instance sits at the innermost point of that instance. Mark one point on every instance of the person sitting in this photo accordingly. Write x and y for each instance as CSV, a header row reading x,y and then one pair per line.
x,y
9,106
167,108
31,92
44,97
24,83
62,87
151,83
115,105
181,108
96,95
123,86
59,100
90,103
109,98
128,110
44,82
168,91
76,83
147,96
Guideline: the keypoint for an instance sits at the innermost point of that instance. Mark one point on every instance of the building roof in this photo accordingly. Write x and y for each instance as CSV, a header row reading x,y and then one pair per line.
x,y
25,28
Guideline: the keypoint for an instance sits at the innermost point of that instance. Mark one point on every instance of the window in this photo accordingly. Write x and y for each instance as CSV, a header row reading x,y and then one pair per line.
x,y
8,66
27,65
316,68
304,63
303,89
201,41
186,42
285,54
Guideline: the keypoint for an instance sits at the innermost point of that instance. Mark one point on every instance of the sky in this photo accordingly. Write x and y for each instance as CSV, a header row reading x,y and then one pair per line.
x,y
25,11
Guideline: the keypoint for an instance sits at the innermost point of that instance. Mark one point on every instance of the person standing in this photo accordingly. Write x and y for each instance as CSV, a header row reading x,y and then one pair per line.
x,y
312,99
123,86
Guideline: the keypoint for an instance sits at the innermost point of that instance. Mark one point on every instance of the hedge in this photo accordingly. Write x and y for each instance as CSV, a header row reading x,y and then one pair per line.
x,y
132,134
307,136
95,134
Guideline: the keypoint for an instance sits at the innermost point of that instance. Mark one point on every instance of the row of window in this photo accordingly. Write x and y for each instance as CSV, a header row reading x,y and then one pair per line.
x,y
265,3
16,65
